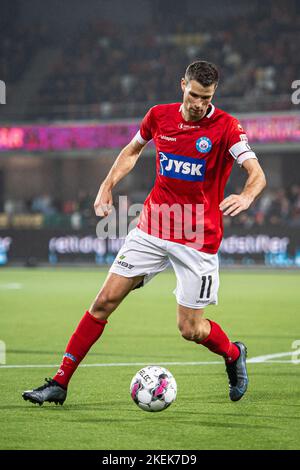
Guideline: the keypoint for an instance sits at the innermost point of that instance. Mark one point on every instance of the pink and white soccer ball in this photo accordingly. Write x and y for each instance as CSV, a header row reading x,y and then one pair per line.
x,y
153,388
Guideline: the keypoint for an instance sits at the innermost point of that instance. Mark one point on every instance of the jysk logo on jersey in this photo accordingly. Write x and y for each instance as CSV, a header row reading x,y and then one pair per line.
x,y
203,145
183,168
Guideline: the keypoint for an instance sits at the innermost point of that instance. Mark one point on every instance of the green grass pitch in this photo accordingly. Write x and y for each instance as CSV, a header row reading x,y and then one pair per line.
x,y
39,311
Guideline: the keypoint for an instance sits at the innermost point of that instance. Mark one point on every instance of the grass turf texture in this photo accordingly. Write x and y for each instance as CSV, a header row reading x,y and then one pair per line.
x,y
259,308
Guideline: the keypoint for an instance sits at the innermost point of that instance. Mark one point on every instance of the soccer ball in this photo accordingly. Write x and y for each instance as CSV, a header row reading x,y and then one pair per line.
x,y
153,388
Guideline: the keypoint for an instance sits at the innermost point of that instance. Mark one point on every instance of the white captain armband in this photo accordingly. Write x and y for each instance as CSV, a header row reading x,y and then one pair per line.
x,y
241,151
139,138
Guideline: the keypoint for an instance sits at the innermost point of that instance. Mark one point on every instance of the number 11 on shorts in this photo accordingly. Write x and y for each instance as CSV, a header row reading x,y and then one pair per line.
x,y
205,287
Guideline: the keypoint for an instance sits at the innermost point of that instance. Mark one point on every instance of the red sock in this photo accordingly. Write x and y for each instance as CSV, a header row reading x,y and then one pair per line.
x,y
86,334
219,343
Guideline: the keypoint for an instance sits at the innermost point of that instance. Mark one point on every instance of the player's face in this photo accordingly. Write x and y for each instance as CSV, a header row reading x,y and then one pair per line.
x,y
196,99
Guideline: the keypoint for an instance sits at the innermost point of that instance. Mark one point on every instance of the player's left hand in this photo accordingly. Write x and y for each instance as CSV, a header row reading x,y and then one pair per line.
x,y
234,204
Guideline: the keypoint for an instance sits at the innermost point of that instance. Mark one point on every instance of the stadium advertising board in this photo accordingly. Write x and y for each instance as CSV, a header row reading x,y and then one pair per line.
x,y
269,247
260,128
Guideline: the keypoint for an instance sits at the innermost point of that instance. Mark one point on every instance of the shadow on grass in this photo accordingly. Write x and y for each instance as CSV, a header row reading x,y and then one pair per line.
x,y
243,415
200,419
166,420
112,406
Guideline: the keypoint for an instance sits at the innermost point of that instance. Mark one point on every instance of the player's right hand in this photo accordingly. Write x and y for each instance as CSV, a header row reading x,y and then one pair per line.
x,y
103,202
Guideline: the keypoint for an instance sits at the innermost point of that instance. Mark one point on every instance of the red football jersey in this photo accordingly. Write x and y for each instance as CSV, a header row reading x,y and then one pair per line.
x,y
193,162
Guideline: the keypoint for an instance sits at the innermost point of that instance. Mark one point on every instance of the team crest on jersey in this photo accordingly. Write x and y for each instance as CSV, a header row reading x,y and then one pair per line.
x,y
204,145
180,167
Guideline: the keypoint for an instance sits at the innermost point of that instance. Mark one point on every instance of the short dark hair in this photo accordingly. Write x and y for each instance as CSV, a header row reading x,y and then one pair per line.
x,y
205,73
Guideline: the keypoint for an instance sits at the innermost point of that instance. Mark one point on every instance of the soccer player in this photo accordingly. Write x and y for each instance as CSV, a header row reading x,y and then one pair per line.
x,y
196,146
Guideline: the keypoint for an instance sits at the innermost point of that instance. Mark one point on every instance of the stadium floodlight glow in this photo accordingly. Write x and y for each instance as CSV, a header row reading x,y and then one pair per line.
x,y
2,92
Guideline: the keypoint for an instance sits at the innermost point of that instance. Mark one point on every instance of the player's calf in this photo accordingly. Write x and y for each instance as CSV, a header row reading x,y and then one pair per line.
x,y
88,331
103,306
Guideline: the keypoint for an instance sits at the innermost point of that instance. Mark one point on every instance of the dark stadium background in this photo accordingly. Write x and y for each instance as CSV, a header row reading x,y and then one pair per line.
x,y
76,78
75,72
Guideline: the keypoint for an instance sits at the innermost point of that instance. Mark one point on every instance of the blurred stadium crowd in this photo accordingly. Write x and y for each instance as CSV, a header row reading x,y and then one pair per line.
x,y
274,208
18,46
114,70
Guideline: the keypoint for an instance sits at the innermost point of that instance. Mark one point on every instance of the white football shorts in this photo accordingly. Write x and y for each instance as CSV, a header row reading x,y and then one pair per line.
x,y
197,272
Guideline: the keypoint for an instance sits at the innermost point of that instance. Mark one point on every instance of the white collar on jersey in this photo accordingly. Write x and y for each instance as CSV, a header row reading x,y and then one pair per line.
x,y
211,112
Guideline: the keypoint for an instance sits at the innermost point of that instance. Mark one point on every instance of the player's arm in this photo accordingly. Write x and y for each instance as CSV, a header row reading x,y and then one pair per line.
x,y
256,182
121,167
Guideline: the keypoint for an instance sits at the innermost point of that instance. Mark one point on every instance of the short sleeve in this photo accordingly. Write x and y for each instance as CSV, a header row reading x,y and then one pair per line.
x,y
238,144
146,130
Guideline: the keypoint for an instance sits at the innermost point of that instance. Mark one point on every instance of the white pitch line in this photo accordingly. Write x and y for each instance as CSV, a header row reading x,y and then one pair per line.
x,y
267,359
11,285
273,356
295,361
